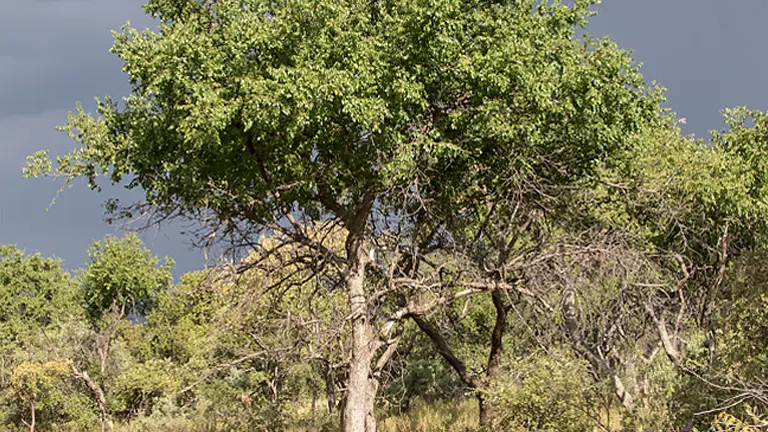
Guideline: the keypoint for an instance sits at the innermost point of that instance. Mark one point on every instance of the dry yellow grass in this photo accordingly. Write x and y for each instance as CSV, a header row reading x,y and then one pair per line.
x,y
456,416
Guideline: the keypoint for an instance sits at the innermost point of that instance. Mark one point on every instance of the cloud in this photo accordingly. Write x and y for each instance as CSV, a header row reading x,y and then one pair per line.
x,y
54,53
75,220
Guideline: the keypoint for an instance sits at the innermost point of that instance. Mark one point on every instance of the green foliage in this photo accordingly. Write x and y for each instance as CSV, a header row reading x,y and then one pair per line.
x,y
181,326
39,308
140,384
547,392
682,195
725,422
48,387
743,328
122,275
246,108
35,293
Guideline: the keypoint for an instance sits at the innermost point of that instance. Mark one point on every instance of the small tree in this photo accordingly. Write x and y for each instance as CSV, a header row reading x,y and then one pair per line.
x,y
34,293
122,277
36,386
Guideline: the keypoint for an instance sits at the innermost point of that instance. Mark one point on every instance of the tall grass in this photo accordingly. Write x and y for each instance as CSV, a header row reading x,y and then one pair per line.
x,y
441,416
444,416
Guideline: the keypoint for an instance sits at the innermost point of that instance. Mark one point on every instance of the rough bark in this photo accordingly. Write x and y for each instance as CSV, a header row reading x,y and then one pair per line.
x,y
361,392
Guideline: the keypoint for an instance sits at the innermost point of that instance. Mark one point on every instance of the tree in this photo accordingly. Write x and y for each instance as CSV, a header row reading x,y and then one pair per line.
x,y
40,308
34,293
678,214
35,386
387,118
123,277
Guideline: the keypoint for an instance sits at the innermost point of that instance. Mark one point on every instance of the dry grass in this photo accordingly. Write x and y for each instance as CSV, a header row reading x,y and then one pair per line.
x,y
450,416
439,416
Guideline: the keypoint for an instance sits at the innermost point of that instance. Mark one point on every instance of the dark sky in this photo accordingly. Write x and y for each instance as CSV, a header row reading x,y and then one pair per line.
x,y
709,54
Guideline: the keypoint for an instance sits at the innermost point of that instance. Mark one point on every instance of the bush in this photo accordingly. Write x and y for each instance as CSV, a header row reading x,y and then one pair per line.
x,y
551,392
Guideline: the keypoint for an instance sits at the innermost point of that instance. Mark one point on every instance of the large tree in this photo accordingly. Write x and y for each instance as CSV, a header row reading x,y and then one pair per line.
x,y
400,120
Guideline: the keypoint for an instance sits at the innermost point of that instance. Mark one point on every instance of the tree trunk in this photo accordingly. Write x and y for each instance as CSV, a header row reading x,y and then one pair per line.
x,y
313,387
494,359
326,369
483,410
32,415
361,393
106,423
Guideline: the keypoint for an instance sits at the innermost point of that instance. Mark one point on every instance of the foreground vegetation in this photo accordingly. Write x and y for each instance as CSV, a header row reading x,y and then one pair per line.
x,y
436,215
119,346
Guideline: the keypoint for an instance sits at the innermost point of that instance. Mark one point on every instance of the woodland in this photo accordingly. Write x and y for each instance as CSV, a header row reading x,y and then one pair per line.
x,y
429,215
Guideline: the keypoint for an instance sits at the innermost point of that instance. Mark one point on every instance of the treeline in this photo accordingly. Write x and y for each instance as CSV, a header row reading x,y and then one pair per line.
x,y
427,203
264,345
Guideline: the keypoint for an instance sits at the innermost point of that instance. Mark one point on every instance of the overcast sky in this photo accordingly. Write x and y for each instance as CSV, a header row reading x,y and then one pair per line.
x,y
709,54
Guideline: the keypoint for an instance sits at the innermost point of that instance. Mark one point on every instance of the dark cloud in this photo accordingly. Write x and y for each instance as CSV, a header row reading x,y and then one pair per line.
x,y
52,54
709,54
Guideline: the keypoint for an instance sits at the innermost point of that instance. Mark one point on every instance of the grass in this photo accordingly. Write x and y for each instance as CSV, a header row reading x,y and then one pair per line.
x,y
447,416
443,416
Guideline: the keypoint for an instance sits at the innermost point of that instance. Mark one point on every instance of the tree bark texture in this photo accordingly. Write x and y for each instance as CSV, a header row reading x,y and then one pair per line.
x,y
361,393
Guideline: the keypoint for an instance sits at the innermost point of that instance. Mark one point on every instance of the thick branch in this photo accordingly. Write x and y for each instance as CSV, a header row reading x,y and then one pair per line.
x,y
386,356
98,393
494,359
670,346
445,351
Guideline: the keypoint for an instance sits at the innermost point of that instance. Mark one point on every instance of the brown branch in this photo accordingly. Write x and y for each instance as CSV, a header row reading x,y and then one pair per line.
x,y
445,351
494,359
386,356
98,393
325,197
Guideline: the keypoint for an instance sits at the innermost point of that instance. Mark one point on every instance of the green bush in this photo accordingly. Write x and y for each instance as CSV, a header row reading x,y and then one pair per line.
x,y
546,393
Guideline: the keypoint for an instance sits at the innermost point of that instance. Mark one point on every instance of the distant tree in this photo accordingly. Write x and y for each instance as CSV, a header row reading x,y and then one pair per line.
x,y
676,221
40,308
123,276
37,386
35,293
